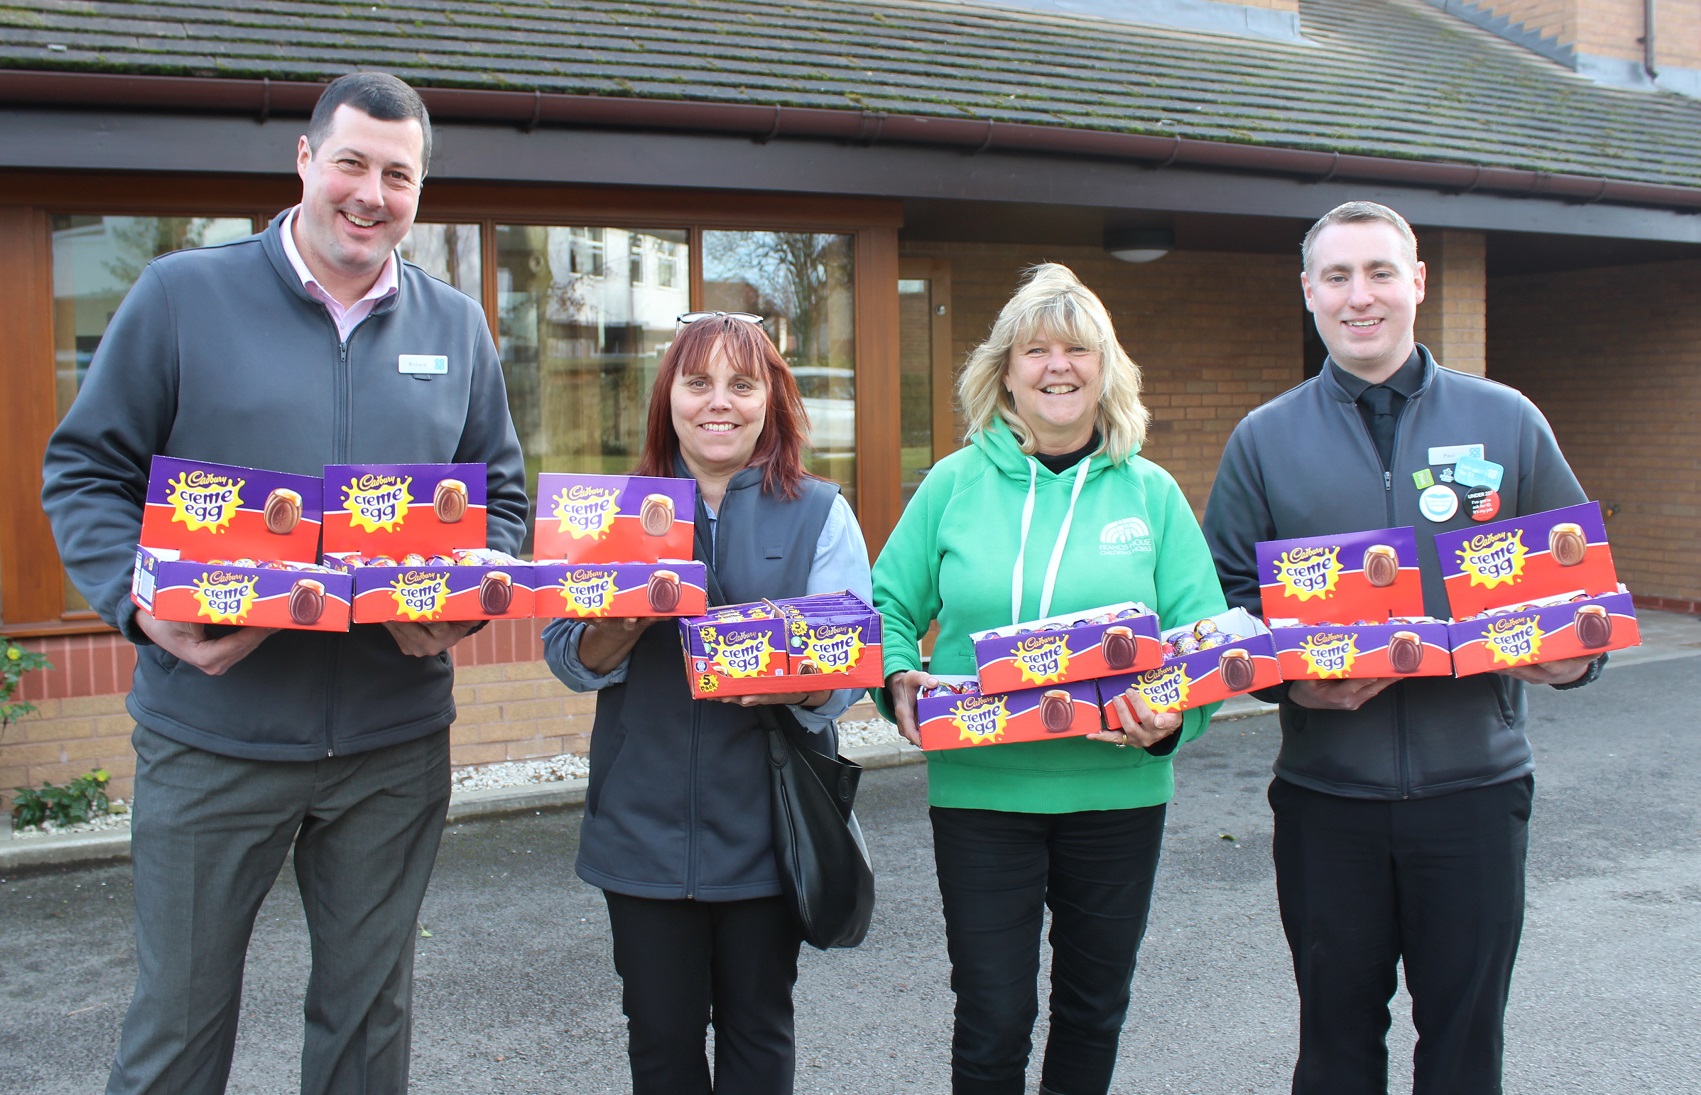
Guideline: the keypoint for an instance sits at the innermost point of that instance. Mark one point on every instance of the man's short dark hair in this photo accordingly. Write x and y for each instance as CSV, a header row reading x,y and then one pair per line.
x,y
1361,213
375,94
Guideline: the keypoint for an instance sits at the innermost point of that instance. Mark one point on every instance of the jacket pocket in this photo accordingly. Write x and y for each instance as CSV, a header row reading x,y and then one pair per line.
x,y
605,750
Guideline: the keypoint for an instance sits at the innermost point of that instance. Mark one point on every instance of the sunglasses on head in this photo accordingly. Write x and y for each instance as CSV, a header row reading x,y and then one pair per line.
x,y
693,317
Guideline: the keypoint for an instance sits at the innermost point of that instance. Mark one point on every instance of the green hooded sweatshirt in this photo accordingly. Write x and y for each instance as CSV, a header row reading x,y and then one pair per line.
x,y
1132,537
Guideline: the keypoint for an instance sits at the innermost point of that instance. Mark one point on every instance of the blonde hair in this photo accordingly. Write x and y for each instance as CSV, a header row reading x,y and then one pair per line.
x,y
1052,302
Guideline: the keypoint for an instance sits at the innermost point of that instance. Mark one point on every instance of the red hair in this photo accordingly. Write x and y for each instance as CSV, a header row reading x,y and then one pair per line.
x,y
779,448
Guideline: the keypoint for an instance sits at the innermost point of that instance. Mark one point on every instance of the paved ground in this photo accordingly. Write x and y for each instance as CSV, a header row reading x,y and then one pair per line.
x,y
516,994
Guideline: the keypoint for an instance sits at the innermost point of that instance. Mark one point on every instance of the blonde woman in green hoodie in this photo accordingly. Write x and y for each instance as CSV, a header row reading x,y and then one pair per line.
x,y
1051,491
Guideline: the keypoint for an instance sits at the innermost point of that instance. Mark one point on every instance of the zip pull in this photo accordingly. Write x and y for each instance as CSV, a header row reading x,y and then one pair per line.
x,y
1387,480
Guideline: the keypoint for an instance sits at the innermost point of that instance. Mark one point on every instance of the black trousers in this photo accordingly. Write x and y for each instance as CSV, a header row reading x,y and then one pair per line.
x,y
1434,883
686,964
998,872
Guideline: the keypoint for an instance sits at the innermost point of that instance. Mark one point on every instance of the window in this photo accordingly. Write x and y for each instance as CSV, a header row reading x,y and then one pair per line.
x,y
450,253
580,351
667,264
585,251
96,260
803,283
635,260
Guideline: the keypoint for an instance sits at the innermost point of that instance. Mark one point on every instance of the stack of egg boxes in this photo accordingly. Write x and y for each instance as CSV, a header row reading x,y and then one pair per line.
x,y
1039,679
1532,589
1350,605
616,546
783,646
413,539
224,544
1225,655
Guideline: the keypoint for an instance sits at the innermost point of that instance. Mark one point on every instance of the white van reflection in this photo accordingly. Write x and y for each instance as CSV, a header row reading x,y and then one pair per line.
x,y
829,398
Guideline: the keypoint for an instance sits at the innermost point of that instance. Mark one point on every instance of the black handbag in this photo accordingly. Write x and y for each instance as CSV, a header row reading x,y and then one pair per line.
x,y
823,862
824,868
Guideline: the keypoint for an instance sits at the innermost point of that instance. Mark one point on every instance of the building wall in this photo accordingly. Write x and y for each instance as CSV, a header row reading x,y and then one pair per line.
x,y
1613,358
1452,320
1214,333
1609,28
510,708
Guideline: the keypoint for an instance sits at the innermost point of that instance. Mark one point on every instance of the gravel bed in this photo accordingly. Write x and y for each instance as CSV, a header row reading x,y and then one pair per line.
x,y
517,773
119,819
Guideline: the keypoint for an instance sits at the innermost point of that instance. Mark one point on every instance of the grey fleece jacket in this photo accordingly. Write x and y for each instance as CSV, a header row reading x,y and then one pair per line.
x,y
1304,464
219,354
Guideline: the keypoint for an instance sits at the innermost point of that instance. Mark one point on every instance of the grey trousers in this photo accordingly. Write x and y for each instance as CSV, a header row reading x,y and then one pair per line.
x,y
209,835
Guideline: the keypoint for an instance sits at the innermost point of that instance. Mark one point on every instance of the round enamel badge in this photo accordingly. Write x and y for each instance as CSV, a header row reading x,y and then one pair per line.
x,y
1438,503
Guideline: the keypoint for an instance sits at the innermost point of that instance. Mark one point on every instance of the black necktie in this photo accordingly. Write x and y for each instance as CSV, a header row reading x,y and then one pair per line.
x,y
1380,400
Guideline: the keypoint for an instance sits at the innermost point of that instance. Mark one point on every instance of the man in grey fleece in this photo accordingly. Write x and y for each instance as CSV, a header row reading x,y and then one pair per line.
x,y
1401,808
288,350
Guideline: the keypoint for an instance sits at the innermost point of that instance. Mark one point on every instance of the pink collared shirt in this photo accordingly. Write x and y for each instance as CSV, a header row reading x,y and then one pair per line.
x,y
346,318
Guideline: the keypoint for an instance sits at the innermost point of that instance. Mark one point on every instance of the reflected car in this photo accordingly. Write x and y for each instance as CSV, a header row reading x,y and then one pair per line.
x,y
829,400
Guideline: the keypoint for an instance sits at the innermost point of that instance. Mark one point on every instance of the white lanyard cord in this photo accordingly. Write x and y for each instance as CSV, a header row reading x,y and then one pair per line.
x,y
1057,549
1062,538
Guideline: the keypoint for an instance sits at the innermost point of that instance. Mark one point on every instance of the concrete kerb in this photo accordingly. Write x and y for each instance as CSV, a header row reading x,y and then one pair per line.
x,y
1665,635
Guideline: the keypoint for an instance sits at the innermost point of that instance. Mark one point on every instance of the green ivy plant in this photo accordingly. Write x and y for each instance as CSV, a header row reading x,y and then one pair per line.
x,y
15,661
79,800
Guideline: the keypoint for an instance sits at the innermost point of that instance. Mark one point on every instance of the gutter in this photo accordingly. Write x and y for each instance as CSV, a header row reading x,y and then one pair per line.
x,y
264,97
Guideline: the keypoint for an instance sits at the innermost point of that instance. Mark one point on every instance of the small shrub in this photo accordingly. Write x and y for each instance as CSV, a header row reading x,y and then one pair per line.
x,y
77,801
15,661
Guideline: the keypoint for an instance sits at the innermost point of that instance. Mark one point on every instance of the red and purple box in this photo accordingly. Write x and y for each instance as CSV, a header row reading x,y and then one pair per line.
x,y
795,644
206,511
957,715
614,518
1070,646
1411,647
1532,589
1334,579
592,590
244,593
223,544
1225,655
1526,558
1547,630
392,510
471,584
1350,605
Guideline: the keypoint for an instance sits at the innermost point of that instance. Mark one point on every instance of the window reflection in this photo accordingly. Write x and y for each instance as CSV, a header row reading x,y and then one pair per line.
x,y
803,282
581,339
96,260
449,253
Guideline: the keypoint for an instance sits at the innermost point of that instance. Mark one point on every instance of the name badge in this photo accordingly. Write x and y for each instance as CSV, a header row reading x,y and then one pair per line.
x,y
1451,454
423,364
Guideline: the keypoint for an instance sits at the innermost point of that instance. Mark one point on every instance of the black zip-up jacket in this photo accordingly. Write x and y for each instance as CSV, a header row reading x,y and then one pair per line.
x,y
219,354
1304,464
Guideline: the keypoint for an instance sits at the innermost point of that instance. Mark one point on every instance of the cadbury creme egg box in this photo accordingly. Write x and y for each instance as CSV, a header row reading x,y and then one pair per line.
x,y
468,584
205,511
1068,646
614,518
1415,646
1550,629
1225,655
1527,558
792,644
241,592
1348,576
400,509
672,587
955,714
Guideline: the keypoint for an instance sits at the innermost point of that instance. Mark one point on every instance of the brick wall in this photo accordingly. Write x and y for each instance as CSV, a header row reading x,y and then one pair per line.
x,y
1613,358
1609,28
1215,334
510,708
1452,320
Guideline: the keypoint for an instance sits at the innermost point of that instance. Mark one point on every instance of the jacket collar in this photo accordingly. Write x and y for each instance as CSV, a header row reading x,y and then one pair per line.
x,y
271,241
1329,378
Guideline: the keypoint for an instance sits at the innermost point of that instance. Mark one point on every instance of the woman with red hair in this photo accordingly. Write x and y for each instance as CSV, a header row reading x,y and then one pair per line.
x,y
676,830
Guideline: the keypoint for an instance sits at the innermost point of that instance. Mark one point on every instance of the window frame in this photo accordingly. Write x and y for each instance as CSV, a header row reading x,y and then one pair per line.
x,y
32,593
